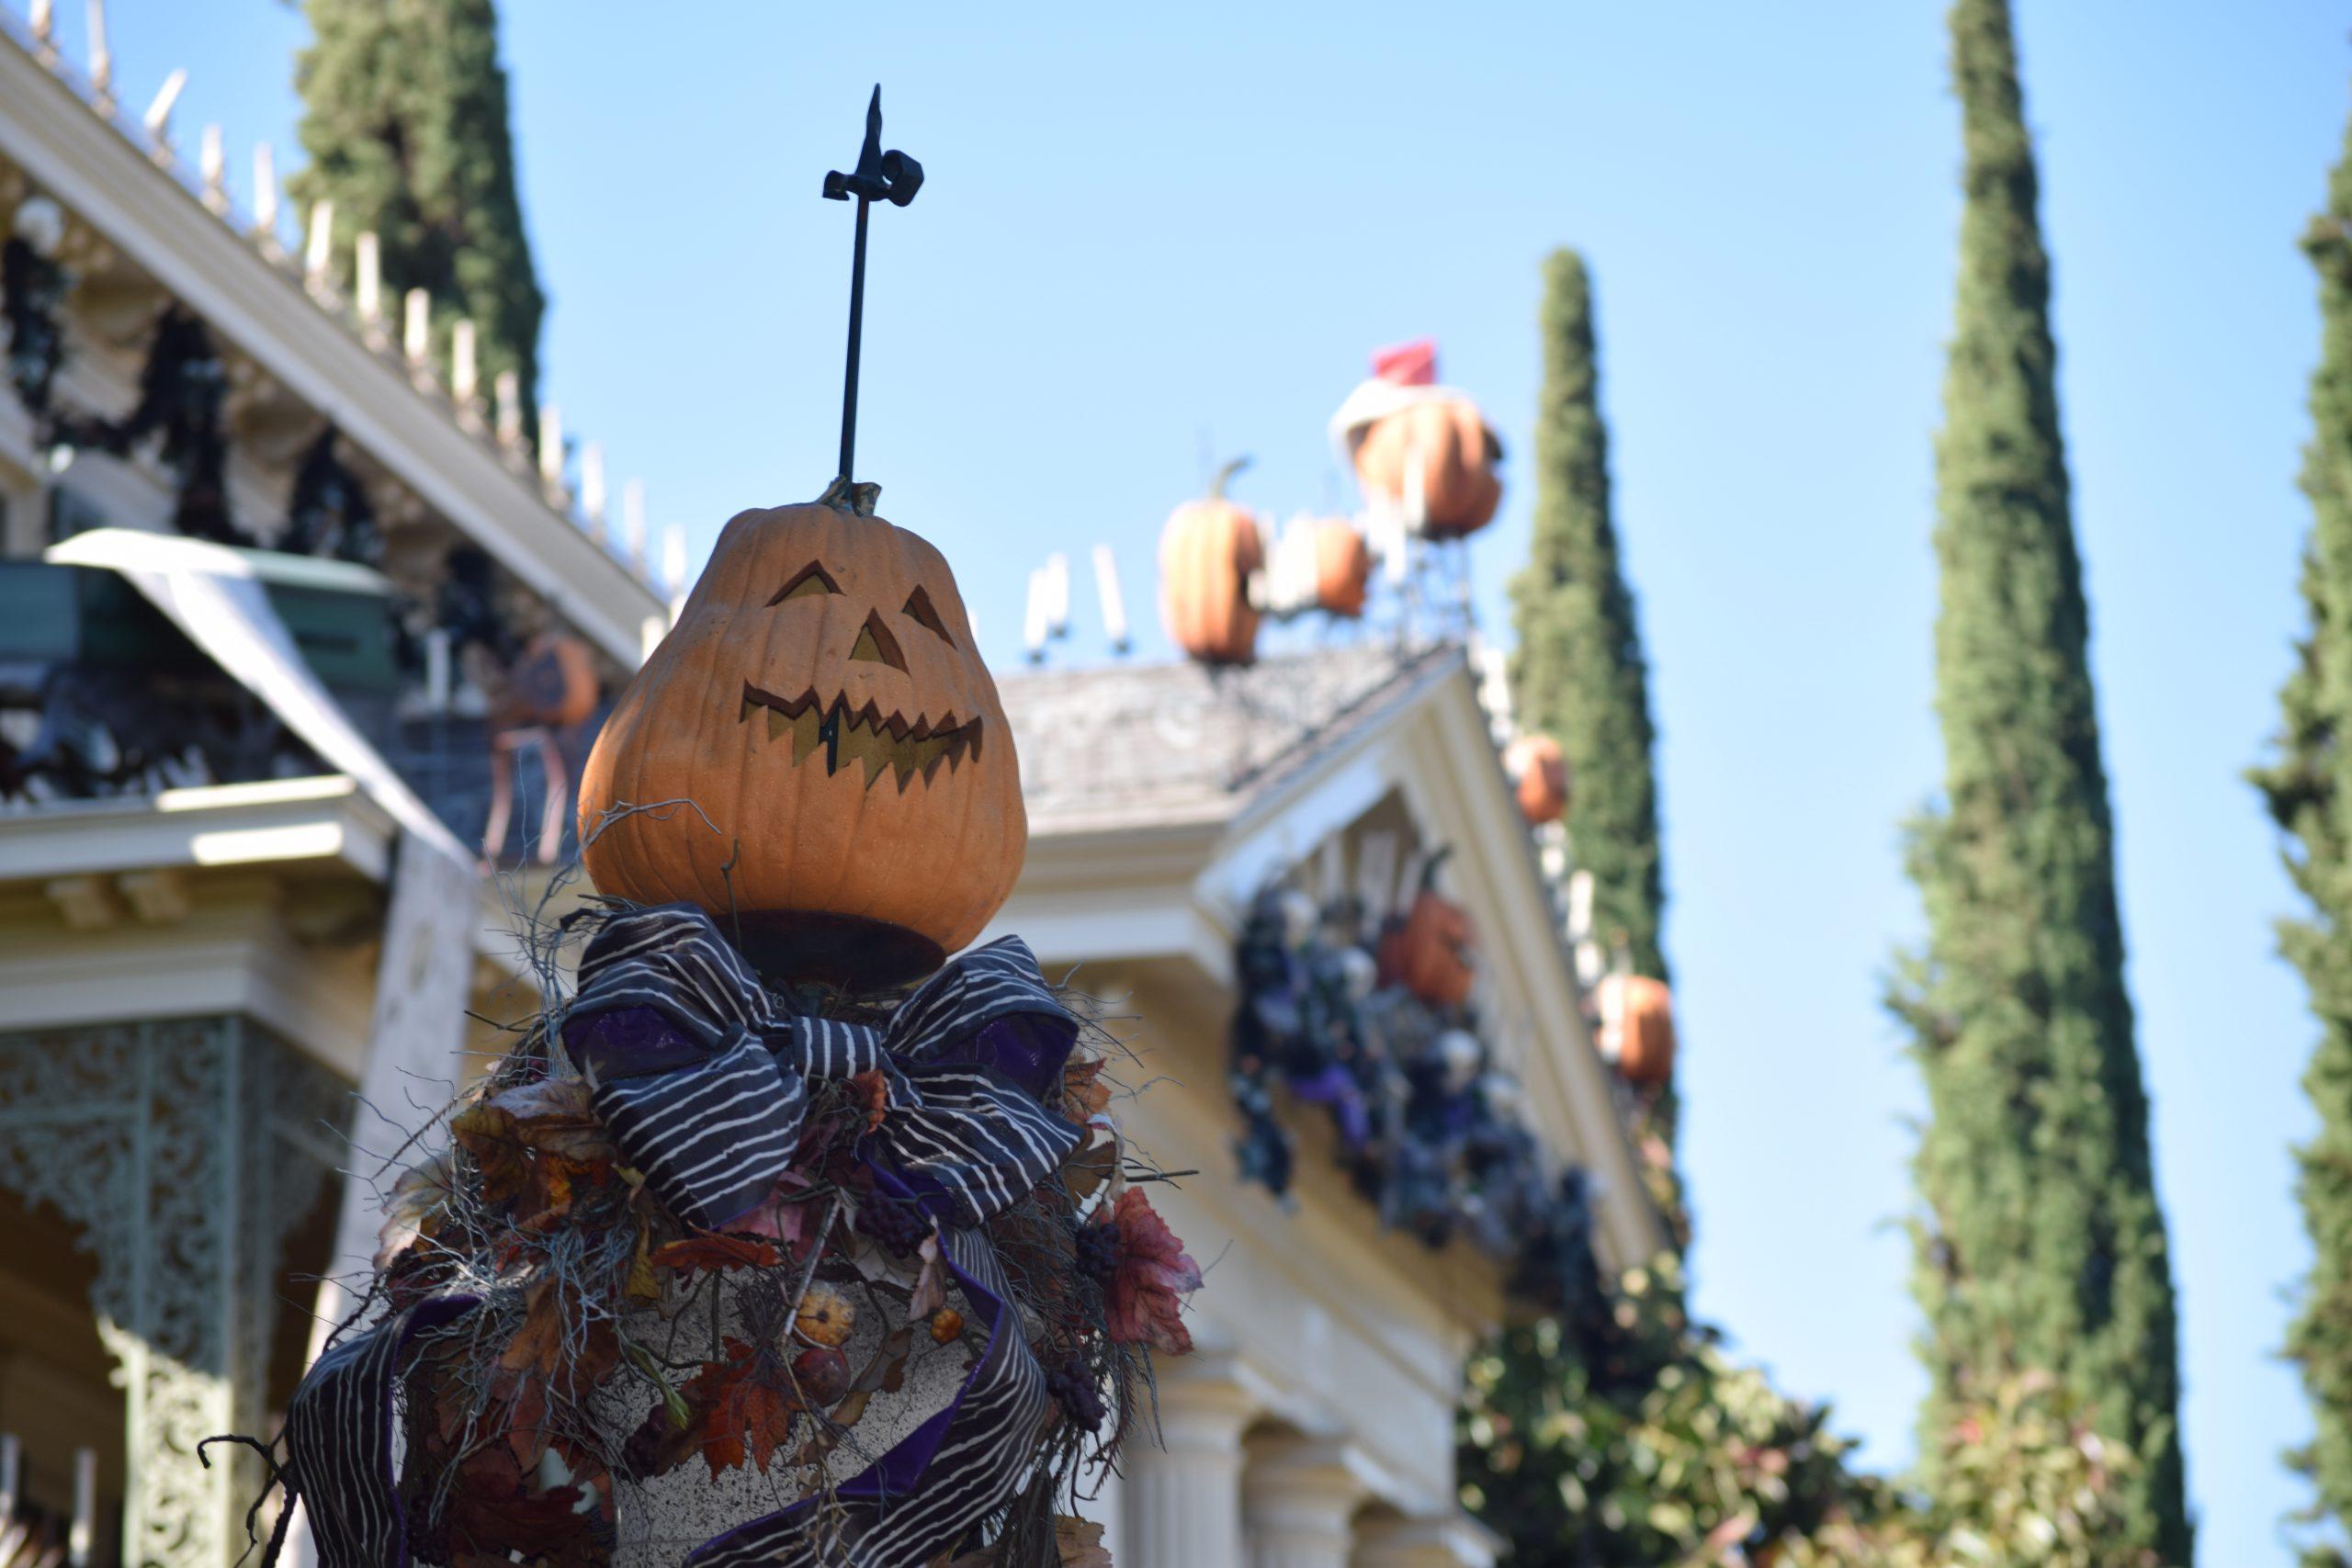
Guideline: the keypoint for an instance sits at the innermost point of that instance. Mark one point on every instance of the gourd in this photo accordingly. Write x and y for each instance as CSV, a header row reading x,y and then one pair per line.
x,y
815,754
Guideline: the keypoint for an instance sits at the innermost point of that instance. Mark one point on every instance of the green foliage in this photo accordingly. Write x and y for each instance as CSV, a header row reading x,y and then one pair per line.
x,y
1620,1433
2309,789
405,122
2042,1247
2025,1485
1577,673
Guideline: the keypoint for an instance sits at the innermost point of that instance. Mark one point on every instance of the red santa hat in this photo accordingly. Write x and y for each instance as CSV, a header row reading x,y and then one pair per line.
x,y
1410,364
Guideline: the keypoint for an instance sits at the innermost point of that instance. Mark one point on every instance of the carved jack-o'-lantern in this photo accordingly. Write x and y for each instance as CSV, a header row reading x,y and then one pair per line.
x,y
552,682
1538,772
1342,567
1427,950
1442,445
1637,1027
815,754
1206,556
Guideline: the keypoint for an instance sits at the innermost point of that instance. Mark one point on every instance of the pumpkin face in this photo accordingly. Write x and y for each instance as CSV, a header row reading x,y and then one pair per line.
x,y
1540,772
820,702
1206,556
1342,567
552,683
1448,441
1427,951
1637,1028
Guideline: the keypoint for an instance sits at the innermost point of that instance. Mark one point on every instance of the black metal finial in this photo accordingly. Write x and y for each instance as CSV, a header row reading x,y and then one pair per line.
x,y
890,176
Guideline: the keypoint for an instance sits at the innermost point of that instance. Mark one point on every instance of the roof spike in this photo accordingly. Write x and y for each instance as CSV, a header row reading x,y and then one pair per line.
x,y
417,329
214,164
265,195
674,559
1056,583
369,287
43,19
551,456
591,488
158,117
318,251
633,522
1115,605
508,390
101,59
1033,623
465,371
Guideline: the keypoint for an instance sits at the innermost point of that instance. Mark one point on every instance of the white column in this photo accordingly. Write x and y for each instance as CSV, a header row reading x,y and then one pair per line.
x,y
1183,1495
1393,1542
1299,1497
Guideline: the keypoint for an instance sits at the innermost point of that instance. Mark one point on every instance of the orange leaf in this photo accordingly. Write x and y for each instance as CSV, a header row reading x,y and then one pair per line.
x,y
713,1251
1083,1091
871,1089
540,1342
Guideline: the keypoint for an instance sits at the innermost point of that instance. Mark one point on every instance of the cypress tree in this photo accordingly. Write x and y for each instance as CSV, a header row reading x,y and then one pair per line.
x,y
2042,1247
405,122
1577,673
2309,791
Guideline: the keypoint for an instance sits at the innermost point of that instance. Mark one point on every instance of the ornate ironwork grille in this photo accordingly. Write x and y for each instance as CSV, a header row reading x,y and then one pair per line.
x,y
182,1151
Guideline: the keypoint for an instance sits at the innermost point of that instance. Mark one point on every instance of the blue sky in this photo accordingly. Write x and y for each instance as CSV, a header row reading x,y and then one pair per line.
x,y
1142,233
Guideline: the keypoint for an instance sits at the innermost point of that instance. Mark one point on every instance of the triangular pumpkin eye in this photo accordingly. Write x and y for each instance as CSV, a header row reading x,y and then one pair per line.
x,y
919,605
810,582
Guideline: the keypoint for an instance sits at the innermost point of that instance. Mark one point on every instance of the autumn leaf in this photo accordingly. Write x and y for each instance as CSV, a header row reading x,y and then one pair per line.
x,y
871,1090
1154,1274
777,1218
535,1145
741,1408
419,1200
642,1284
539,1344
712,1251
931,1282
493,1512
1094,1161
1084,1094
1078,1543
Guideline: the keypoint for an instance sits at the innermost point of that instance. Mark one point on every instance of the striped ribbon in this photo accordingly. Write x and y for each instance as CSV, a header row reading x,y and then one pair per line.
x,y
705,1085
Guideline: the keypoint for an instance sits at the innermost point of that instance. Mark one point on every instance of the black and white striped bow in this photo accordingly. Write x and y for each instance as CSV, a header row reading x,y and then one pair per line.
x,y
703,1083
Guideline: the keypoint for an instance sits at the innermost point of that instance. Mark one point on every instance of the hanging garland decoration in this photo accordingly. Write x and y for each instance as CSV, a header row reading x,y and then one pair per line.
x,y
182,384
1429,1130
33,286
329,512
183,392
740,1258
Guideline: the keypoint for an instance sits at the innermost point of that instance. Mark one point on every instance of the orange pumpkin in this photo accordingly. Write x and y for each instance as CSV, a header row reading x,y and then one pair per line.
x,y
552,683
1342,567
1206,556
1447,439
1540,774
1637,1027
825,758
1428,950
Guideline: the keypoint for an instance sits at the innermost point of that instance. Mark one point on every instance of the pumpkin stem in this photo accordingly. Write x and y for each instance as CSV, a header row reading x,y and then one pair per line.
x,y
1224,475
845,495
1437,857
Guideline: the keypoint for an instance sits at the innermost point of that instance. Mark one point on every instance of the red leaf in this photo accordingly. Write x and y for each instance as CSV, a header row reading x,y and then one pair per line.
x,y
1154,1275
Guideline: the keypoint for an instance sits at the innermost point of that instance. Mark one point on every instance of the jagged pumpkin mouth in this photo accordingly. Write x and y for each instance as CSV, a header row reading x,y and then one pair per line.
x,y
848,738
